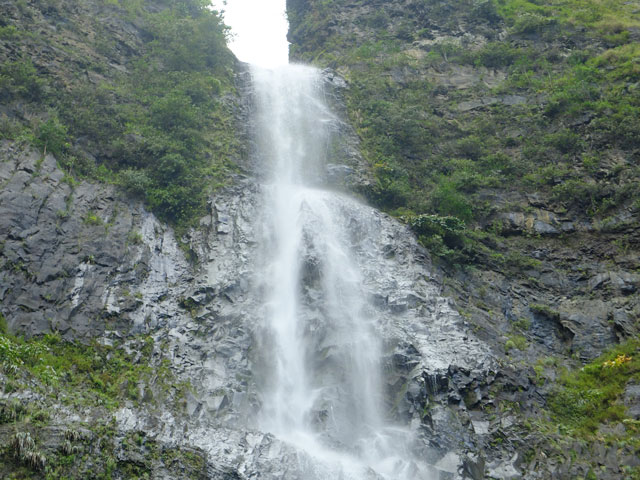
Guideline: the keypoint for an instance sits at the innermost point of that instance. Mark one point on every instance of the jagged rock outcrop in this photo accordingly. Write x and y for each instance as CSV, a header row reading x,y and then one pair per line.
x,y
116,271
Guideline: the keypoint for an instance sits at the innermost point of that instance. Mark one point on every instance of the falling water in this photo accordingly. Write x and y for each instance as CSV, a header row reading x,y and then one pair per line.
x,y
320,354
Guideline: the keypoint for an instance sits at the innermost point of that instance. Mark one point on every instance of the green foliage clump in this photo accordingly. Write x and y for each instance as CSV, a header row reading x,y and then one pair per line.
x,y
134,237
447,199
545,311
517,342
21,79
25,451
95,373
52,136
527,23
92,219
587,398
9,32
4,328
522,324
161,128
444,236
14,354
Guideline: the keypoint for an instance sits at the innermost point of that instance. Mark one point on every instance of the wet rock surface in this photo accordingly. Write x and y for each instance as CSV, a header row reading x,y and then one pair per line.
x,y
87,262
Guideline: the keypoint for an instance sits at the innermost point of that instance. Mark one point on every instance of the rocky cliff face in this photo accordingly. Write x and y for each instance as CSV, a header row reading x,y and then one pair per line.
x,y
158,332
114,275
159,364
455,120
76,256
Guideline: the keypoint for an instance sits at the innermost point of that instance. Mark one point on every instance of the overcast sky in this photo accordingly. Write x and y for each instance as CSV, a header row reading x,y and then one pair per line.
x,y
259,28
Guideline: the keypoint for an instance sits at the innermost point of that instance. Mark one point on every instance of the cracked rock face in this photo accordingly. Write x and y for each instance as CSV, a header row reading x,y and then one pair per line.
x,y
84,260
218,345
89,263
79,259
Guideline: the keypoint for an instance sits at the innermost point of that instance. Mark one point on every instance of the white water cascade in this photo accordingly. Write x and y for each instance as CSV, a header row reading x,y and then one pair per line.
x,y
319,347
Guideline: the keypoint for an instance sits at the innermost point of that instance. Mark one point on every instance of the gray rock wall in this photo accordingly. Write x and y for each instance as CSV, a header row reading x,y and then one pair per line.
x,y
78,258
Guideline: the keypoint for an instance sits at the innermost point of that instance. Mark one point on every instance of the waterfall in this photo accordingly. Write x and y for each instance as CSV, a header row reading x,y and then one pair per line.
x,y
320,354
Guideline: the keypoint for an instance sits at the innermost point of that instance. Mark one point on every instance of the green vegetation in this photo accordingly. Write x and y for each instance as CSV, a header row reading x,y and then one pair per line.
x,y
442,235
80,377
589,397
568,105
92,219
585,412
88,375
4,328
21,79
517,342
134,237
545,311
161,126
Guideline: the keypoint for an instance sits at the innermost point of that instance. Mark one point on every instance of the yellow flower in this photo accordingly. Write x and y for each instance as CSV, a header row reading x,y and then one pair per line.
x,y
617,362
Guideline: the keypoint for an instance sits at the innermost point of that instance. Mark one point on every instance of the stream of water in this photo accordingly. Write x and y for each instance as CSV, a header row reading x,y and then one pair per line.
x,y
322,390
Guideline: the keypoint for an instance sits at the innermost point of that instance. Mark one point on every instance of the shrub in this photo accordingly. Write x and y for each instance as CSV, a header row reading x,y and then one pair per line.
x,y
134,237
448,201
174,111
14,355
496,55
517,342
442,236
587,397
530,23
9,32
92,219
52,136
379,19
431,224
20,79
576,192
523,324
565,141
470,147
391,187
134,181
24,449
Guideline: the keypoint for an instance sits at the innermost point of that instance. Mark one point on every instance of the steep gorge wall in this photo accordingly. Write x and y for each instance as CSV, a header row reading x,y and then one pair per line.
x,y
450,127
505,134
549,283
102,290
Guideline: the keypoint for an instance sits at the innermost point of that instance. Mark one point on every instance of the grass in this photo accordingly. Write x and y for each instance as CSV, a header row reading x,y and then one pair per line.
x,y
81,378
91,374
163,129
589,397
515,342
597,14
429,158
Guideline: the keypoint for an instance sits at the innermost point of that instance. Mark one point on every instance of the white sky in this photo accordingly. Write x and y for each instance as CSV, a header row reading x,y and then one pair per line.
x,y
259,28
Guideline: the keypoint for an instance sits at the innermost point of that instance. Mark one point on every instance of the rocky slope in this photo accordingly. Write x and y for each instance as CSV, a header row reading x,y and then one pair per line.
x,y
166,383
140,94
504,134
138,358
